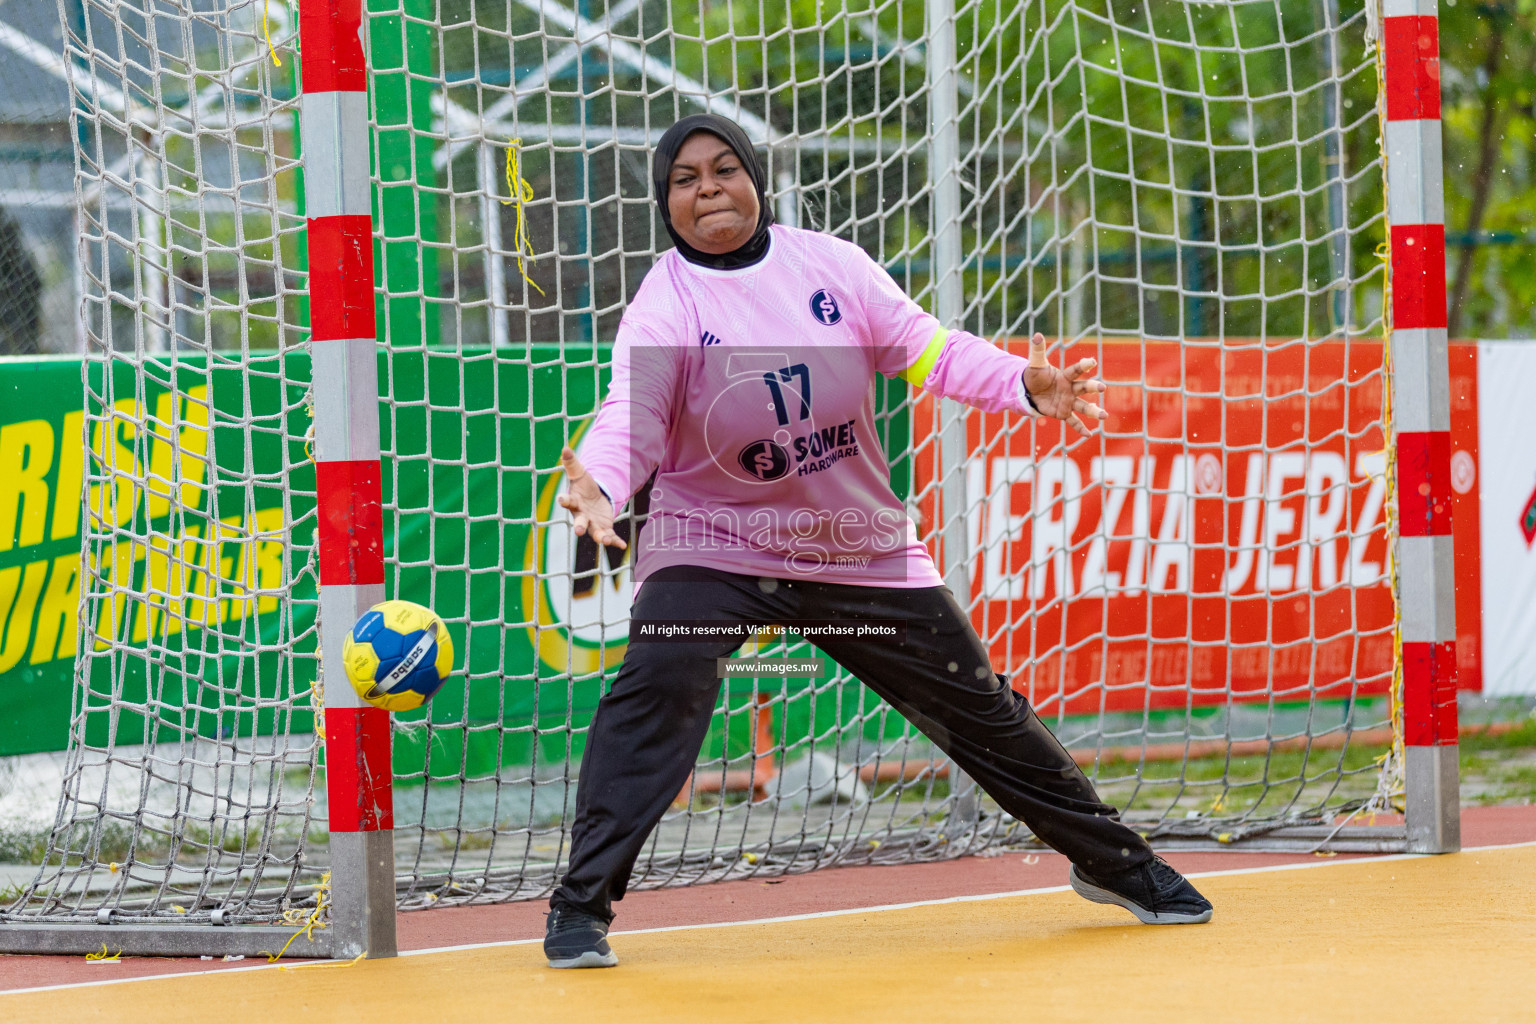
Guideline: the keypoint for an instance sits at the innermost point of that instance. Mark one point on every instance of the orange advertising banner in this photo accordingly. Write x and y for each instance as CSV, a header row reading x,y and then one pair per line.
x,y
1224,538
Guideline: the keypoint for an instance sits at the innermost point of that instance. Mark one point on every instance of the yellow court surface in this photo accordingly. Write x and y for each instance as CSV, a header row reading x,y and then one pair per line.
x,y
1399,939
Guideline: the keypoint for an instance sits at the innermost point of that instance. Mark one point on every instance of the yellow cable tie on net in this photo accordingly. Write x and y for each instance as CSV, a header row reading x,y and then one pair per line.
x,y
521,192
310,923
324,963
267,35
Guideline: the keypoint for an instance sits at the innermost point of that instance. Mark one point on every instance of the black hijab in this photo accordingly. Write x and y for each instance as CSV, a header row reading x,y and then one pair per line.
x,y
730,133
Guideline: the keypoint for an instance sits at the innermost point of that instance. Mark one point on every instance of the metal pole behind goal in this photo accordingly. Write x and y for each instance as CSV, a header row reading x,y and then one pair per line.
x,y
948,305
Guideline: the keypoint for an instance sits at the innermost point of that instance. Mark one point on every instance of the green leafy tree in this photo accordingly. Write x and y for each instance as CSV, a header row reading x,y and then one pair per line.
x,y
1140,167
1488,96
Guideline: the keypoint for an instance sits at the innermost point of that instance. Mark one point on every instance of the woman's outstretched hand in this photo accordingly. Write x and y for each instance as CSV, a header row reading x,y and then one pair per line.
x,y
589,507
1060,394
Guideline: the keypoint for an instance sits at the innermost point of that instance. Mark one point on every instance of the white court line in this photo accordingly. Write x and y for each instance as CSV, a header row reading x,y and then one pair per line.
x,y
1320,862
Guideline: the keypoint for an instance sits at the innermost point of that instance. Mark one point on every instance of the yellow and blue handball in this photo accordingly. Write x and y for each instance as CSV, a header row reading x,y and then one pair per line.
x,y
398,655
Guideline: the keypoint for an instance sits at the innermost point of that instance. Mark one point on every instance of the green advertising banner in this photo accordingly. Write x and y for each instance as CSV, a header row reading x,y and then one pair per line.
x,y
208,490
41,426
192,578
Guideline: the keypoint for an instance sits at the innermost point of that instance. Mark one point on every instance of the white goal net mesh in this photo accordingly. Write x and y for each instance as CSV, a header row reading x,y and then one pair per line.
x,y
1198,600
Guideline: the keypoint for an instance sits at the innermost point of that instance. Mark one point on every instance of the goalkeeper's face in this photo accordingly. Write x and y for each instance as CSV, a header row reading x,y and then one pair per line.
x,y
710,196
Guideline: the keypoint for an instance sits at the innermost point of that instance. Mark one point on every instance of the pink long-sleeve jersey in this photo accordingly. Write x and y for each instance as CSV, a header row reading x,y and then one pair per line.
x,y
750,393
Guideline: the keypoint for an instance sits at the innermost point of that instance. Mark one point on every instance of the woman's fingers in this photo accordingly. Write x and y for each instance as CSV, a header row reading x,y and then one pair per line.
x,y
1089,410
586,521
582,487
1081,368
1088,387
1037,352
572,466
602,531
591,513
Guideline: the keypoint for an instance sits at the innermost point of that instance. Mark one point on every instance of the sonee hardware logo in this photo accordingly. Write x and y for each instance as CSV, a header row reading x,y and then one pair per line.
x,y
765,459
824,308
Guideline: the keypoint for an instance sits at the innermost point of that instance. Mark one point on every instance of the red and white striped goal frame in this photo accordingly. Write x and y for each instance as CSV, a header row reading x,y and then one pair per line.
x,y
335,148
1410,50
333,125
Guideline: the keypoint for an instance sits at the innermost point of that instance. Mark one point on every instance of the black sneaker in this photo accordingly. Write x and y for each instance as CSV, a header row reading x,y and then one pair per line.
x,y
574,938
1154,892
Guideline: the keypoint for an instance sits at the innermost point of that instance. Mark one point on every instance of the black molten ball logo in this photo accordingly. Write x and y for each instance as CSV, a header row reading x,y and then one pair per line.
x,y
824,308
765,460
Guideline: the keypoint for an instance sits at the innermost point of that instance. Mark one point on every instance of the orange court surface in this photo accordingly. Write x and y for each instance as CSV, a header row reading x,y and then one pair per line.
x,y
1295,938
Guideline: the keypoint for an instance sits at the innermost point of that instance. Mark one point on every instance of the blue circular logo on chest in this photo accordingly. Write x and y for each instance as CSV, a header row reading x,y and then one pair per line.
x,y
824,308
766,460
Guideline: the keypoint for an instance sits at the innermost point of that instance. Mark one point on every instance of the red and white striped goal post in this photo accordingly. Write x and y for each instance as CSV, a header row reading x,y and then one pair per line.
x,y
333,124
1410,50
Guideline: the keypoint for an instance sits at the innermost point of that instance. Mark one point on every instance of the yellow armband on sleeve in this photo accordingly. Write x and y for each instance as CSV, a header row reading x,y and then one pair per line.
x,y
919,371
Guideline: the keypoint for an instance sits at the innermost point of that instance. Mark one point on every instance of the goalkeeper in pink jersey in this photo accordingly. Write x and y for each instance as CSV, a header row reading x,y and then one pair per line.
x,y
740,425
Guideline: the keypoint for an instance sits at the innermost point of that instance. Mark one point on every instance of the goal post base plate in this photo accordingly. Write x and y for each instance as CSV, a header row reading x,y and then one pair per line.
x,y
164,940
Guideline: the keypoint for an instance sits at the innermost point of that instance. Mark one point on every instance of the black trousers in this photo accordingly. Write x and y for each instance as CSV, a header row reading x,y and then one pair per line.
x,y
647,731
